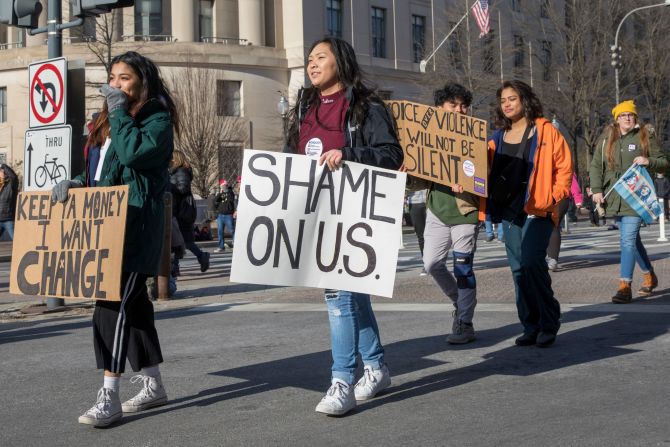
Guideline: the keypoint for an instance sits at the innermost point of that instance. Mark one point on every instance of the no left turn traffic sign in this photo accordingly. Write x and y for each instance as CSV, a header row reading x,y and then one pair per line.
x,y
47,83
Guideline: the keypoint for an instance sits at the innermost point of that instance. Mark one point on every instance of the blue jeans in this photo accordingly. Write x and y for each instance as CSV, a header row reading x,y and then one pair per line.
x,y
632,250
8,226
225,220
353,330
526,241
488,227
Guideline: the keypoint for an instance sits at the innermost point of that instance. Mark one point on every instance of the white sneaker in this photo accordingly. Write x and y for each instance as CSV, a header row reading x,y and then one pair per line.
x,y
339,399
106,410
372,382
151,395
552,264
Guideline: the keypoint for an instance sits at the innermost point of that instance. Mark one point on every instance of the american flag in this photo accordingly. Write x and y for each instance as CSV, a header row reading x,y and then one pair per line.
x,y
481,12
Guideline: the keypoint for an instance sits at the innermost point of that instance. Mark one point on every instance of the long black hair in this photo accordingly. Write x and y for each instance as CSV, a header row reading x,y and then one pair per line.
x,y
532,107
348,74
153,87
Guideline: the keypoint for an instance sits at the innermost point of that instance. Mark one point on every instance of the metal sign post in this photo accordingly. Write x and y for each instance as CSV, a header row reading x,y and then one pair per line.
x,y
661,222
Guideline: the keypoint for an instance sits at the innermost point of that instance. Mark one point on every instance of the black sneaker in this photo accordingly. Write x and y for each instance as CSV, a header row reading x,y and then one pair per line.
x,y
204,262
526,339
545,339
489,238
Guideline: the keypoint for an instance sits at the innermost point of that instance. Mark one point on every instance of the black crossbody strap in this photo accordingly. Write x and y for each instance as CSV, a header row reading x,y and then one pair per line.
x,y
525,143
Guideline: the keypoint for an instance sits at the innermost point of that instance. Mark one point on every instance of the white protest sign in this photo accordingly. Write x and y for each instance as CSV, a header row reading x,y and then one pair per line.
x,y
299,224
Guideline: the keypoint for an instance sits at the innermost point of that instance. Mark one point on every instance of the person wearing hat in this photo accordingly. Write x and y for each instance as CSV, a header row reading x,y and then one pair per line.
x,y
624,142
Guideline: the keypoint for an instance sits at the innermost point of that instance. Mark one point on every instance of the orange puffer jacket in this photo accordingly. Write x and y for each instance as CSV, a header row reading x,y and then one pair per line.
x,y
550,173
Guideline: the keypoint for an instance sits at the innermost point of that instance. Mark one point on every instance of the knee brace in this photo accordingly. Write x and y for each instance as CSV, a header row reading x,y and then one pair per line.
x,y
465,277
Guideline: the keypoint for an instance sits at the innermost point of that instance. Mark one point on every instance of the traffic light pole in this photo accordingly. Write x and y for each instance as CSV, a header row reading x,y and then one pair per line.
x,y
54,29
55,49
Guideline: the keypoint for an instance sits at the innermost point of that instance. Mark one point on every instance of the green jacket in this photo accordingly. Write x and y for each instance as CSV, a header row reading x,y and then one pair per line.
x,y
625,150
138,156
452,208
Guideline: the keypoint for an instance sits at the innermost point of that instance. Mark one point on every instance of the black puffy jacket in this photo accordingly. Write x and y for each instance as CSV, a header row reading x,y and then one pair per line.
x,y
372,142
8,194
180,187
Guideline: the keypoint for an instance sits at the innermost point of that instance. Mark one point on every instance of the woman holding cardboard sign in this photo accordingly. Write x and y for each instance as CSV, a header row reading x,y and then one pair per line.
x,y
338,118
135,134
530,173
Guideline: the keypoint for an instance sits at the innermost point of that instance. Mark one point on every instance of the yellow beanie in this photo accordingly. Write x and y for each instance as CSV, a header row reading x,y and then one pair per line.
x,y
623,107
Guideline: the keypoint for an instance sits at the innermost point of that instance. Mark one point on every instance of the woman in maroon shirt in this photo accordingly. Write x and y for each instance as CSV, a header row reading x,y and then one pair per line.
x,y
338,118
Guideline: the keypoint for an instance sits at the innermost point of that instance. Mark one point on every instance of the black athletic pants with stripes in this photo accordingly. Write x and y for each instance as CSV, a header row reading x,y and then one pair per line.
x,y
125,329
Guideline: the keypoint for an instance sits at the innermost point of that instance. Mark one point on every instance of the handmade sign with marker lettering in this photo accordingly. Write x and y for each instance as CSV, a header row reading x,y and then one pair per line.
x,y
299,224
72,249
443,147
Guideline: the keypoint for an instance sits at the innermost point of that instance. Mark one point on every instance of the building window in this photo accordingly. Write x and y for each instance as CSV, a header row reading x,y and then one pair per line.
x,y
418,37
519,51
488,53
3,104
378,32
516,5
229,98
148,18
546,60
334,18
206,18
544,9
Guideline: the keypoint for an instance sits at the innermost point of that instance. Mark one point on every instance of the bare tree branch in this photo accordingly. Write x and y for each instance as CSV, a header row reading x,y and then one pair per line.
x,y
205,137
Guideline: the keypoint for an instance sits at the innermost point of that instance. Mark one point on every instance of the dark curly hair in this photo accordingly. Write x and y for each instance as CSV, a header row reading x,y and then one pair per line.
x,y
452,91
532,107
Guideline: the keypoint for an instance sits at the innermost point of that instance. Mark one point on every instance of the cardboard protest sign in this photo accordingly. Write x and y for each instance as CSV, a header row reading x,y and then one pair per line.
x,y
443,147
299,224
72,249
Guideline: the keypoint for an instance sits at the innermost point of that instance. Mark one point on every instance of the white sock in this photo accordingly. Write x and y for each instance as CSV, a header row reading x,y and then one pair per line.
x,y
112,383
152,371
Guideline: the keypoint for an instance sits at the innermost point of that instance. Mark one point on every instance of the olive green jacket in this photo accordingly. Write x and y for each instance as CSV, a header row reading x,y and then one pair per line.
x,y
138,156
626,149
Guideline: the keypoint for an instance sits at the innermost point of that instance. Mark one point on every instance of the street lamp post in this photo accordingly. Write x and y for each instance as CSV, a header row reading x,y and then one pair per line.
x,y
283,108
616,51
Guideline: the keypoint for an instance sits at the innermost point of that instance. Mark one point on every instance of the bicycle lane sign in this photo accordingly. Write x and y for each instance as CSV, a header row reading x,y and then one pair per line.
x,y
47,157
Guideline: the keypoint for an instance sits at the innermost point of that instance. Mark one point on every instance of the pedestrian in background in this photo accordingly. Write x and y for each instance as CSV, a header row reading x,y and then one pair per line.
x,y
340,119
9,190
625,142
554,248
452,223
225,208
184,208
530,174
662,185
416,201
493,230
135,134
